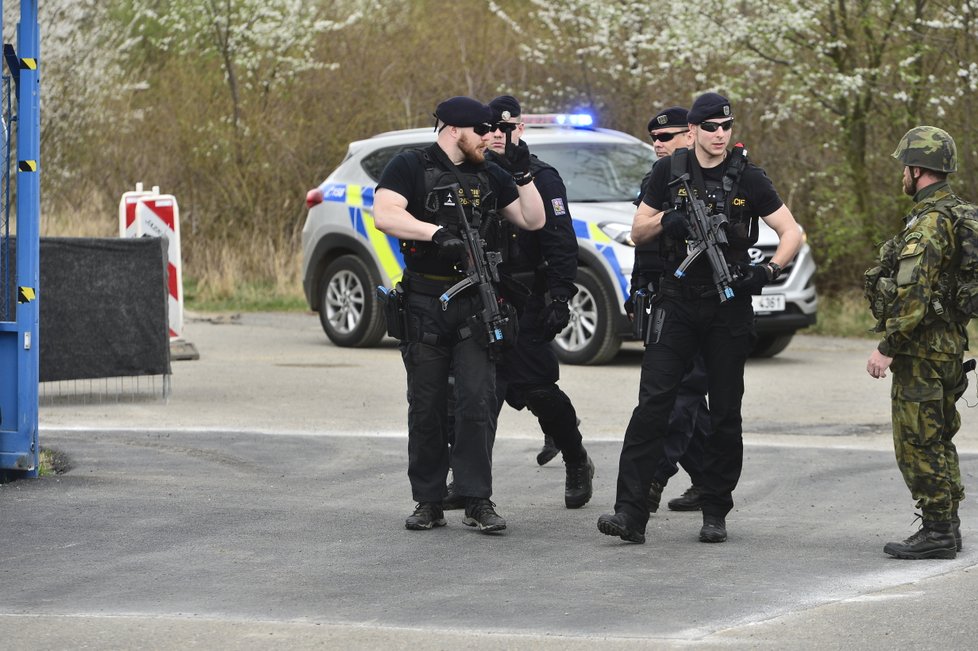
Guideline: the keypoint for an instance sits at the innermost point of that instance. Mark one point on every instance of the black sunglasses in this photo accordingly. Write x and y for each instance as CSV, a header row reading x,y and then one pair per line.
x,y
482,129
665,137
505,127
711,127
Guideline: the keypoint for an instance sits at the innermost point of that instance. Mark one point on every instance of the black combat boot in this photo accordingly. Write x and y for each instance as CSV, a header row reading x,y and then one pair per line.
x,y
655,496
578,486
932,540
547,452
714,529
691,500
622,526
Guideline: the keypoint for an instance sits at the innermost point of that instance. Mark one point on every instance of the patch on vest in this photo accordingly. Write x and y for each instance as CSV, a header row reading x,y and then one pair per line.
x,y
911,246
558,205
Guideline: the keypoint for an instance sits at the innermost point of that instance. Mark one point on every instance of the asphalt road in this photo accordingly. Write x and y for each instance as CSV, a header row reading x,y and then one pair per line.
x,y
262,505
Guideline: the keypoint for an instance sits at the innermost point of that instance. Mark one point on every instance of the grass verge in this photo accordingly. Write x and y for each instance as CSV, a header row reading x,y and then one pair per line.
x,y
244,297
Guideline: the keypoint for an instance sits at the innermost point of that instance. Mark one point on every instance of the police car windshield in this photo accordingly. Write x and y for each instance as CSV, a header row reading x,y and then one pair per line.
x,y
597,172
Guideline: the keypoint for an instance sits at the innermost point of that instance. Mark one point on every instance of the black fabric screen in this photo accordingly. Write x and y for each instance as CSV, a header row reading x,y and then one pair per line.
x,y
103,308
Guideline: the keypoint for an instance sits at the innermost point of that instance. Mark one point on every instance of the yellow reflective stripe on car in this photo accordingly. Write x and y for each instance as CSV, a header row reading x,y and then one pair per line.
x,y
383,246
359,201
354,196
603,245
597,234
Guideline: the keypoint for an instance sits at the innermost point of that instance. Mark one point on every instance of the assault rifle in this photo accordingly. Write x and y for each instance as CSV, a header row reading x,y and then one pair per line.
x,y
709,234
480,272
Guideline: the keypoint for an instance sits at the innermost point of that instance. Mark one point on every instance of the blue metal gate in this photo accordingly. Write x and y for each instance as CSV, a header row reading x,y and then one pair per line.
x,y
20,243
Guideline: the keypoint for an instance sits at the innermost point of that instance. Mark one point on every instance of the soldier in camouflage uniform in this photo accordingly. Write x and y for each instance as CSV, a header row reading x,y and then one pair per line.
x,y
923,343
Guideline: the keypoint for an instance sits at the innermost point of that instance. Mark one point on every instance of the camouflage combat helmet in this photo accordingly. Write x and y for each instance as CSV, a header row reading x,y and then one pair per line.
x,y
928,147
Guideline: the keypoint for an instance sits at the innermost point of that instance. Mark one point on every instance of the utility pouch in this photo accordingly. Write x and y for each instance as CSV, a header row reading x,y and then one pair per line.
x,y
657,319
870,278
643,304
881,290
966,299
510,325
395,313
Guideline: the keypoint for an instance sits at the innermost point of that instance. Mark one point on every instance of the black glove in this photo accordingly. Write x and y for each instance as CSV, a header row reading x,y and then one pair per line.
x,y
554,318
751,278
674,225
629,304
450,247
516,161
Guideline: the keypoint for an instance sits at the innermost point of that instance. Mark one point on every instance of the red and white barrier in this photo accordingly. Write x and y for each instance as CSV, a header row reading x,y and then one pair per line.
x,y
150,214
127,209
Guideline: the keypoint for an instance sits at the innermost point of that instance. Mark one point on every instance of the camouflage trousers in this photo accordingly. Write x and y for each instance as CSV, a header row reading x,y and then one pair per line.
x,y
925,420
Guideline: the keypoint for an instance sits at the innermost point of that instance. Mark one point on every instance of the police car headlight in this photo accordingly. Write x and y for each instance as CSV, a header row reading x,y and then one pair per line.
x,y
618,231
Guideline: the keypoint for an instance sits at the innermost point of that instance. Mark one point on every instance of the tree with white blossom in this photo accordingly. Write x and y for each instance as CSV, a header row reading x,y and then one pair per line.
x,y
853,73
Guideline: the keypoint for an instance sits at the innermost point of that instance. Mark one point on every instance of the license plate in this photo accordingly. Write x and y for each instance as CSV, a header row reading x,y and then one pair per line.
x,y
768,303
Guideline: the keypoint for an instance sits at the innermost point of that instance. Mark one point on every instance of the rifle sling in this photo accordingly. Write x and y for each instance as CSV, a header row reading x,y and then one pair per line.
x,y
698,183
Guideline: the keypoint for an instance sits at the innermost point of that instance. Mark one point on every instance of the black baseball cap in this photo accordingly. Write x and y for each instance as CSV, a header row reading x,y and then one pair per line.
x,y
707,106
674,116
463,112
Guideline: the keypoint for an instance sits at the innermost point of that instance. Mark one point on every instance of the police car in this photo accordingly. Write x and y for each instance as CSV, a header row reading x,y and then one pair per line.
x,y
345,257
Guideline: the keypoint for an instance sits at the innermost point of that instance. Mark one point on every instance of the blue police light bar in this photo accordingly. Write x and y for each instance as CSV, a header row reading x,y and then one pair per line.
x,y
559,119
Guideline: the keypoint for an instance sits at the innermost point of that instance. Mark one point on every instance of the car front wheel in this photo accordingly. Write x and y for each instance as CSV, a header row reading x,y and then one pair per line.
x,y
590,337
771,345
348,310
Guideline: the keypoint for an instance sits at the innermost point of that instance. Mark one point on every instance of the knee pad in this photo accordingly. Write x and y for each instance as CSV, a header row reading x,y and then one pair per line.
x,y
546,401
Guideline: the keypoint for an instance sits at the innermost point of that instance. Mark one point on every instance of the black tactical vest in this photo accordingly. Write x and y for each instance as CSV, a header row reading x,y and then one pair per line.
x,y
742,231
440,206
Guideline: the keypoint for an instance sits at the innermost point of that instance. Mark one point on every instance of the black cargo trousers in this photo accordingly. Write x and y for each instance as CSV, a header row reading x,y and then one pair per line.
x,y
527,377
689,425
695,320
440,345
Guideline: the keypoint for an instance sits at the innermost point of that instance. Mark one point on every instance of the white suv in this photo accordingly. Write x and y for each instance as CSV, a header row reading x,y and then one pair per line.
x,y
345,257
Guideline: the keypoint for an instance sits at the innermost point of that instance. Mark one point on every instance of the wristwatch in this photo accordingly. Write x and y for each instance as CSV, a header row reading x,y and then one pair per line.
x,y
774,271
522,179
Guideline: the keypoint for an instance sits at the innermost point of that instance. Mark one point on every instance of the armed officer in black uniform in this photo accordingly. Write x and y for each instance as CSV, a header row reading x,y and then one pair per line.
x,y
546,262
414,204
689,315
689,423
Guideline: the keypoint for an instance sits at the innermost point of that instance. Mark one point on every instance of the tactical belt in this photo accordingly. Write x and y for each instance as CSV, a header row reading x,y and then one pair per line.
x,y
675,288
433,285
432,339
429,284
